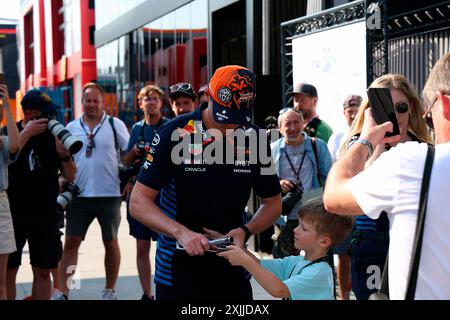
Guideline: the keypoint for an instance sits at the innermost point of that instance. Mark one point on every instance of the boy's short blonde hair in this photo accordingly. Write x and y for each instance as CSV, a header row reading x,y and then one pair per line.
x,y
335,226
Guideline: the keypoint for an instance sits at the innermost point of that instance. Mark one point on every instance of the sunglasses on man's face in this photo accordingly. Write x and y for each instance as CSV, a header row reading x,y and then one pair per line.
x,y
428,115
180,86
402,107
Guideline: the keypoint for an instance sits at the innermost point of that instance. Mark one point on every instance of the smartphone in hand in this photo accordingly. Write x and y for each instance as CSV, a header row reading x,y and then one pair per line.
x,y
380,101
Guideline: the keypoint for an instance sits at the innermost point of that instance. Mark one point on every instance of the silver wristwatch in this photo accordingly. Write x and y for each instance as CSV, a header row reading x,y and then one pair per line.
x,y
368,146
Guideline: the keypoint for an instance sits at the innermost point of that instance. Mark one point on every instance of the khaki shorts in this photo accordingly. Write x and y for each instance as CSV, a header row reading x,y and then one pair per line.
x,y
7,240
83,211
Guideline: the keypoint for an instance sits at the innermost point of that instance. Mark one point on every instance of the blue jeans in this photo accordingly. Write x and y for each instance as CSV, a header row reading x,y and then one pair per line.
x,y
368,249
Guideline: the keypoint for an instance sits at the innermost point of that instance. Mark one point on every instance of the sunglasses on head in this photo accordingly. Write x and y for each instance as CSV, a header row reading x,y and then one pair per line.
x,y
180,86
90,147
283,110
402,107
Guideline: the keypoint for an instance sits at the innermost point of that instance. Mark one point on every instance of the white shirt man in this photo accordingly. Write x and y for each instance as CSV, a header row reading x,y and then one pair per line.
x,y
351,106
97,175
98,179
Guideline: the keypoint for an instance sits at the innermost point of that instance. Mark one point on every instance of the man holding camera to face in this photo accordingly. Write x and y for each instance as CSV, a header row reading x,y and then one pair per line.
x,y
302,165
33,190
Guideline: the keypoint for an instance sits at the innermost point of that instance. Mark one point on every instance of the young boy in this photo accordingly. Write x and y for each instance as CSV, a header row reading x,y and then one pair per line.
x,y
296,277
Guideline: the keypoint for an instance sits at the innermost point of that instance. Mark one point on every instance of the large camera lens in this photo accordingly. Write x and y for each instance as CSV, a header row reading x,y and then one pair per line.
x,y
64,199
70,142
69,192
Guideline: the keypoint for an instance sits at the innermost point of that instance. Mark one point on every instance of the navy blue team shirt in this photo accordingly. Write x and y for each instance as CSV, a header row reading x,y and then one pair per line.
x,y
213,196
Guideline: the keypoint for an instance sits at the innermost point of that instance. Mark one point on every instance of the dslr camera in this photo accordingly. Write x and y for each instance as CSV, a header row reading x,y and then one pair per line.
x,y
70,191
143,146
290,199
127,172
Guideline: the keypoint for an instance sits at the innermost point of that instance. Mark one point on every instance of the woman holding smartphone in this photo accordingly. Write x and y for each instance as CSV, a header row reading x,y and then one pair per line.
x,y
370,242
9,150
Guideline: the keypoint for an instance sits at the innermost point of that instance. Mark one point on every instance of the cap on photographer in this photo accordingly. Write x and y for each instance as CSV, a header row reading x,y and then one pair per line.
x,y
38,100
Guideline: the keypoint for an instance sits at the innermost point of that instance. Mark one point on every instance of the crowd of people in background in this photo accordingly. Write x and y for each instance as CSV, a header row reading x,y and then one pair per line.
x,y
305,199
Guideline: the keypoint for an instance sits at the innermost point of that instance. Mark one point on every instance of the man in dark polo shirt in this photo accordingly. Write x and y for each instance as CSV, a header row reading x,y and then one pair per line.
x,y
203,199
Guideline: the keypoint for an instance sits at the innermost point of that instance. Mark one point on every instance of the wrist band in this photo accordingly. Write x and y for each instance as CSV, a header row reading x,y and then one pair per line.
x,y
66,159
248,234
368,146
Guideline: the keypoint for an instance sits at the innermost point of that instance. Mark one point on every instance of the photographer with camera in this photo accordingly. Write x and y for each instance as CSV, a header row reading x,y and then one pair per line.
x,y
302,165
33,190
150,101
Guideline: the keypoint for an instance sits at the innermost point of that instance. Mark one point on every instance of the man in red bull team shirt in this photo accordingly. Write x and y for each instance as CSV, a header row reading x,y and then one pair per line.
x,y
202,199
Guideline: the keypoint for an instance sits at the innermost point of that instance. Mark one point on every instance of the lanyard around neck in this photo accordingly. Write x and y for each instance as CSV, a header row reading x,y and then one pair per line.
x,y
92,134
296,172
322,259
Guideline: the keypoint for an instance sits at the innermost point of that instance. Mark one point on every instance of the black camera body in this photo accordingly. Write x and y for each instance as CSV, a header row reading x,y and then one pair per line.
x,y
127,172
290,199
143,146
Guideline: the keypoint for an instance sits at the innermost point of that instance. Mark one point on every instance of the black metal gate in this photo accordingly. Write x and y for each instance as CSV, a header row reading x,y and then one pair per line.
x,y
398,41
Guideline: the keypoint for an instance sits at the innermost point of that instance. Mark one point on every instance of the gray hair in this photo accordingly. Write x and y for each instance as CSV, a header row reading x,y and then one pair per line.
x,y
283,114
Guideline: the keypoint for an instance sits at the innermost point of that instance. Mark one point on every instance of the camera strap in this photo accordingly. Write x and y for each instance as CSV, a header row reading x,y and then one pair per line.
x,y
321,259
296,172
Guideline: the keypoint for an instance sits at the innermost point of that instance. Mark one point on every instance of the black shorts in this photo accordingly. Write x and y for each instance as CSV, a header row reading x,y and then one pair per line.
x,y
44,245
138,230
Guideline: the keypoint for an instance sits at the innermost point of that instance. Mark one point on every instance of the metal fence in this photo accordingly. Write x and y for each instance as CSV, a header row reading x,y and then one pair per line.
x,y
413,56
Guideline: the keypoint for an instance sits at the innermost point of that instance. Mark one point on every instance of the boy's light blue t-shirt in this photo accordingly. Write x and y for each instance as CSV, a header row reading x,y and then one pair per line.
x,y
314,282
5,159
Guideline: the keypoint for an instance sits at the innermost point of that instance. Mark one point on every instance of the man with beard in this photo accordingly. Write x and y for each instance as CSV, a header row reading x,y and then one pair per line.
x,y
301,164
182,98
305,100
142,133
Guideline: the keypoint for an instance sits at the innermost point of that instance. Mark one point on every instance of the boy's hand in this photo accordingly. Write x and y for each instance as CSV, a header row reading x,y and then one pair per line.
x,y
235,256
238,235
